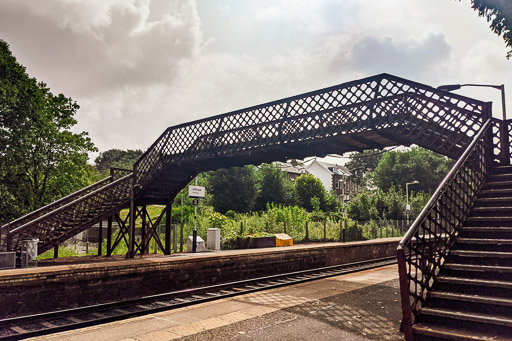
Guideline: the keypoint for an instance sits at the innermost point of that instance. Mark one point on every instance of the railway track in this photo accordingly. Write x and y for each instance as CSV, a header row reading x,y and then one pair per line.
x,y
21,327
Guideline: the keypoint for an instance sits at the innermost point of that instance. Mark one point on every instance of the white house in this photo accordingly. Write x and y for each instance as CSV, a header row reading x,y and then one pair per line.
x,y
334,177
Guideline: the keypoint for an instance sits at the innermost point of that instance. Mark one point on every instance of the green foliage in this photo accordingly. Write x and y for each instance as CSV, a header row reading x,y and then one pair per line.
x,y
307,188
40,158
398,168
217,220
274,187
233,189
117,158
362,163
499,14
377,204
293,215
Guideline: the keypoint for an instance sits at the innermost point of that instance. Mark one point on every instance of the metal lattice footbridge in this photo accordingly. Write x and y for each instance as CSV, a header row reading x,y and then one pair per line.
x,y
374,112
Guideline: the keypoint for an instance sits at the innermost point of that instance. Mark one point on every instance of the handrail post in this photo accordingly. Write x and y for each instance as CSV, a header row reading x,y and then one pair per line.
x,y
406,326
168,216
489,144
505,144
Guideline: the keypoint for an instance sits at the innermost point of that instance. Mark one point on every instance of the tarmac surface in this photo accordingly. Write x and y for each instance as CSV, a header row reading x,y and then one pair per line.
x,y
359,306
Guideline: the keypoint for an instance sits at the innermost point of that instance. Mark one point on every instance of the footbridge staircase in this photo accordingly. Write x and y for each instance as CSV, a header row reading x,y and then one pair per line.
x,y
374,112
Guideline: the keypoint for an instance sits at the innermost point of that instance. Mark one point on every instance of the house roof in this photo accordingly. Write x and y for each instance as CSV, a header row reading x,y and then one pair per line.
x,y
334,168
289,168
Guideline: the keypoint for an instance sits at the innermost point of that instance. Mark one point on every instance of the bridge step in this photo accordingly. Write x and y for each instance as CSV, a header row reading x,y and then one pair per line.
x,y
502,170
498,183
424,332
445,295
481,220
480,258
496,320
495,192
493,325
486,232
472,297
500,177
484,241
491,211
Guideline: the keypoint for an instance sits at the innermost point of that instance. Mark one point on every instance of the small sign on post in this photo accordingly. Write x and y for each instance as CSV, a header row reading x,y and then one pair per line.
x,y
196,192
408,207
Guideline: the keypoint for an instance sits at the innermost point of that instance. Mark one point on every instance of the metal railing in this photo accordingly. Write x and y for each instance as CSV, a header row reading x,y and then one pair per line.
x,y
73,215
424,248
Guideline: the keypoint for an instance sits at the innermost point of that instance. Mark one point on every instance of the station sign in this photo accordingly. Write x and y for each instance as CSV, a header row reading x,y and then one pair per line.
x,y
196,192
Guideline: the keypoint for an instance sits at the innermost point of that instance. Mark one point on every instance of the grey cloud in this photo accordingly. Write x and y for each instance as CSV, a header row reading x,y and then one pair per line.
x,y
411,58
91,47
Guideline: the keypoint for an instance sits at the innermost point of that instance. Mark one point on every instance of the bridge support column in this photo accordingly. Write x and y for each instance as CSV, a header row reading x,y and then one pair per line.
x,y
100,237
131,229
109,236
56,251
143,231
168,216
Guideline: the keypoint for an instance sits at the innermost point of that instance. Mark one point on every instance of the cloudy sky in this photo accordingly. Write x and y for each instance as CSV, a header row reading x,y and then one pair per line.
x,y
138,66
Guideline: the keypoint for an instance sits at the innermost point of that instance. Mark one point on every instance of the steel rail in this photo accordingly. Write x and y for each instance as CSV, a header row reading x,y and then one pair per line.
x,y
41,324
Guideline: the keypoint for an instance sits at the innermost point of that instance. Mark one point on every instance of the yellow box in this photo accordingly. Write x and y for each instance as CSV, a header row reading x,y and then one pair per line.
x,y
283,239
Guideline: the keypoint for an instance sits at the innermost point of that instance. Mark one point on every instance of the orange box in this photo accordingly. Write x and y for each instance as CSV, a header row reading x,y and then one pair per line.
x,y
283,239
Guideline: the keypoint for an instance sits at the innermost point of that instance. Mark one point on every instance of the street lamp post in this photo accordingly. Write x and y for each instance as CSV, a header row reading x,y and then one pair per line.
x,y
505,145
408,207
451,87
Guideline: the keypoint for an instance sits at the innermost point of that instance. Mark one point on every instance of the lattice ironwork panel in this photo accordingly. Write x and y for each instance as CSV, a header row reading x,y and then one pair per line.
x,y
118,173
50,208
424,249
496,126
508,129
383,101
72,218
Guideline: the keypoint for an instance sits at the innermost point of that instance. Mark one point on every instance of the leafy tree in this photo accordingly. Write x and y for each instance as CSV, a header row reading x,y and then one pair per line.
x,y
308,187
274,187
40,158
233,189
362,207
377,204
117,158
363,163
499,14
397,168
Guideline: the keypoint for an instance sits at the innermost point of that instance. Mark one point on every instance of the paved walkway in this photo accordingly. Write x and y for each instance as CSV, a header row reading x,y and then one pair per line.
x,y
358,306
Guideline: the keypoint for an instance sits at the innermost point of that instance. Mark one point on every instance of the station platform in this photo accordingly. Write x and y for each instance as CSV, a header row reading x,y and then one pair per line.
x,y
33,290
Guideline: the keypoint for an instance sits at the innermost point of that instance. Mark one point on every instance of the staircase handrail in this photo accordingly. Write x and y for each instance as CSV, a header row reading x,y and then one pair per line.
x,y
99,190
440,189
153,156
409,239
56,203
